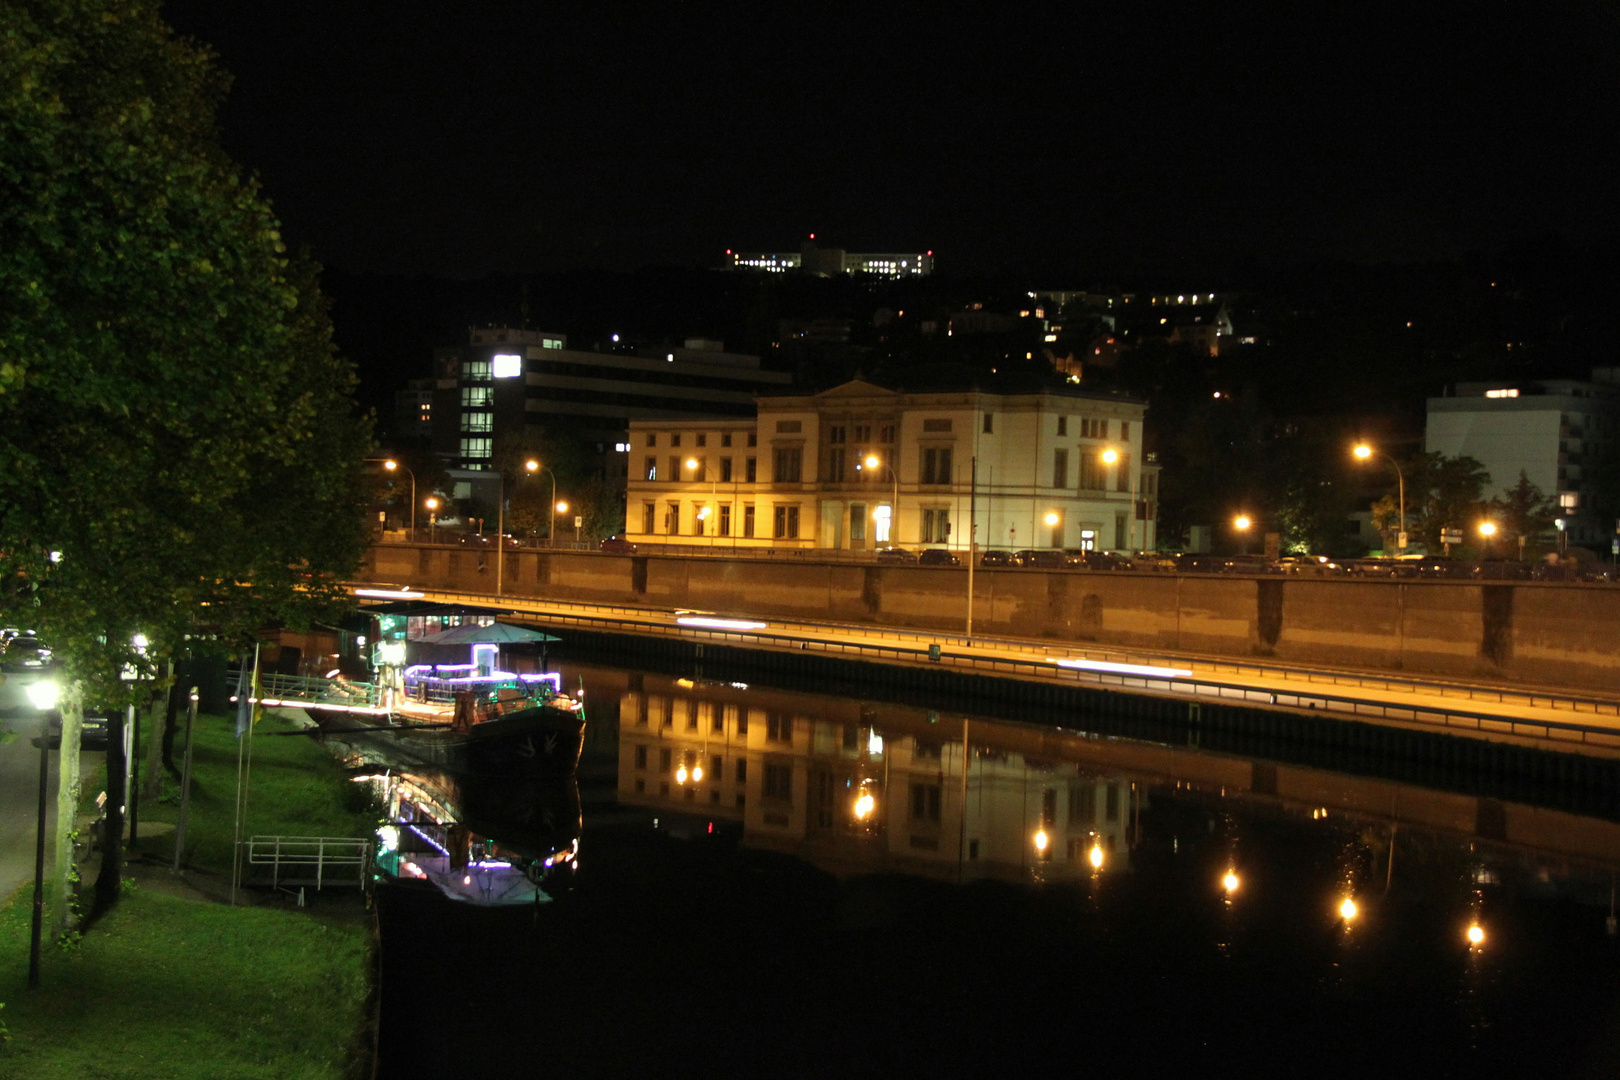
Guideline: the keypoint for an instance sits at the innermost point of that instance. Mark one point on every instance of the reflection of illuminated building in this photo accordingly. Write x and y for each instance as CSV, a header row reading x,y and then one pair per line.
x,y
858,789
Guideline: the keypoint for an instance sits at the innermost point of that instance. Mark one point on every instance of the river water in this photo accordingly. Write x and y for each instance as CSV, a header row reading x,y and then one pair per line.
x,y
752,881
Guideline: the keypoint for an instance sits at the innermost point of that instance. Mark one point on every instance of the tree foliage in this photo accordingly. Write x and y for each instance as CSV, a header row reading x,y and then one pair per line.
x,y
176,422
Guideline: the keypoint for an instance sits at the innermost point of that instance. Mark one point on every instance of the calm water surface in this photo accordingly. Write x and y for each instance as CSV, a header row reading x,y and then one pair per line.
x,y
752,881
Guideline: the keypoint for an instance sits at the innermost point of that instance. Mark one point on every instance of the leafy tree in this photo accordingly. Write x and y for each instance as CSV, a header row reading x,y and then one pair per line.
x,y
177,449
1524,513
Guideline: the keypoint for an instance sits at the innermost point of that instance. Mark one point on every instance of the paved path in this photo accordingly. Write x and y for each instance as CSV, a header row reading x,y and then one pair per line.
x,y
19,804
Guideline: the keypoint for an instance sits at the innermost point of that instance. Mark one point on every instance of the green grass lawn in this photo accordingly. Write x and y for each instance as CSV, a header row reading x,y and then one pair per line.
x,y
171,988
295,789
180,988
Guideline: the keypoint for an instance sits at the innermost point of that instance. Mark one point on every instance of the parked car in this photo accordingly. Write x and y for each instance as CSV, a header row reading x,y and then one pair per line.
x,y
895,555
618,545
1046,558
1091,559
1152,561
997,558
1308,565
937,557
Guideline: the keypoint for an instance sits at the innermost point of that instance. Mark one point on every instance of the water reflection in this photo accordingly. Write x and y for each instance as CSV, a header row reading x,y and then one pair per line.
x,y
484,841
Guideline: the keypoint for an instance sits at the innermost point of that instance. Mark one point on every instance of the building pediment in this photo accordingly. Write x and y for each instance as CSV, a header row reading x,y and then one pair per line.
x,y
856,388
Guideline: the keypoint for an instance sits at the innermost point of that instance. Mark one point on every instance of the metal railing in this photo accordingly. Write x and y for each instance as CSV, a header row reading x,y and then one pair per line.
x,y
347,858
313,690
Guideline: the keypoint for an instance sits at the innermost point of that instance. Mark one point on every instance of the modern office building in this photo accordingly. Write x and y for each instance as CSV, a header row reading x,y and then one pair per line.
x,y
505,380
861,466
1552,430
813,258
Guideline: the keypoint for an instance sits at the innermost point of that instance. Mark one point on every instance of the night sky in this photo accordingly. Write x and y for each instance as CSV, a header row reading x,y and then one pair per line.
x,y
1071,142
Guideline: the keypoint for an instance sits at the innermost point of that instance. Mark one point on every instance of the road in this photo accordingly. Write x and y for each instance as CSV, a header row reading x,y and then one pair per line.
x,y
1549,717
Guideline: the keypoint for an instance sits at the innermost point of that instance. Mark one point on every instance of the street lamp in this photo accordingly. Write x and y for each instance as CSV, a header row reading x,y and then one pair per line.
x,y
700,468
1363,451
433,518
873,462
1487,529
1111,456
1241,523
390,464
500,525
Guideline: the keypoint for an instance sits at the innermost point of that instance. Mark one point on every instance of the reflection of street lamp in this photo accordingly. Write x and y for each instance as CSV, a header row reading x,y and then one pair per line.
x,y
390,464
1111,456
1363,451
433,519
42,696
872,462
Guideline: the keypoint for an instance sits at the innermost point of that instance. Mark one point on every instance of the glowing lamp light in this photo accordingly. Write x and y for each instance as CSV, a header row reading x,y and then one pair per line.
x,y
562,508
1363,451
1476,935
1041,840
1348,910
1230,882
1242,521
390,464
680,775
864,806
1487,528
691,463
531,465
1109,456
697,774
1052,518
43,695
872,461
1096,856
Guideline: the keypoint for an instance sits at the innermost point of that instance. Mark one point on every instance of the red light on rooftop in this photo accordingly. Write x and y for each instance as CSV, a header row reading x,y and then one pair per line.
x,y
812,236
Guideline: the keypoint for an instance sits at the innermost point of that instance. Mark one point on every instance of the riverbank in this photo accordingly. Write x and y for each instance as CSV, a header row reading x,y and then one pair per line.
x,y
174,984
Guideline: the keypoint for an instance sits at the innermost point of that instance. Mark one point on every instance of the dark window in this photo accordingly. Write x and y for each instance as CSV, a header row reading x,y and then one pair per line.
x,y
725,438
835,465
1111,807
1049,808
989,423
788,466
742,770
725,470
787,523
1063,425
1082,804
778,728
925,802
675,439
717,767
748,515
703,438
1060,468
778,781
641,757
664,760
937,465
751,471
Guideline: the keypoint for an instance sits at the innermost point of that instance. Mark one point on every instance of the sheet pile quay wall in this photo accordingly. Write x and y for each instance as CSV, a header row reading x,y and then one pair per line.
x,y
1543,633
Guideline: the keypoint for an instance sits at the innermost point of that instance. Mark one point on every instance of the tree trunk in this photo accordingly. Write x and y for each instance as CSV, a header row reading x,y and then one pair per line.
x,y
170,712
112,831
64,914
159,742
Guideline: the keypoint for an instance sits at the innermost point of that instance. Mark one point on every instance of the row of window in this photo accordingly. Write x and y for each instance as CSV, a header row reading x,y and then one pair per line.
x,y
698,472
778,775
700,438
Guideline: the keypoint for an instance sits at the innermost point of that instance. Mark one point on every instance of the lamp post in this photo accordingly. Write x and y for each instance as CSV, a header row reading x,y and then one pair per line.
x,y
43,696
1241,523
873,462
1110,456
391,464
1487,529
432,504
701,468
1363,451
500,527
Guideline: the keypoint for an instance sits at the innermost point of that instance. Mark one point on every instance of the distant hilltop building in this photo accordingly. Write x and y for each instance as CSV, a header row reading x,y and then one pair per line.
x,y
812,258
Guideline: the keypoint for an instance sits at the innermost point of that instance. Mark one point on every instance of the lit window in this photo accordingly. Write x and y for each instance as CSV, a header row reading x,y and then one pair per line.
x,y
1501,393
507,365
475,448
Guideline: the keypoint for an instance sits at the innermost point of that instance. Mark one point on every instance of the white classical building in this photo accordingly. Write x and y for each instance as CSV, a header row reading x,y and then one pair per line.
x,y
860,466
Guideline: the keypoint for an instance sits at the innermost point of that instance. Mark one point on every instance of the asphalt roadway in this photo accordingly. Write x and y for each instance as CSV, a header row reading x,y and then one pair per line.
x,y
19,802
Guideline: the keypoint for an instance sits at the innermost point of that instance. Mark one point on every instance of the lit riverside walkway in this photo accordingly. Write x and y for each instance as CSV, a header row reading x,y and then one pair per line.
x,y
1526,715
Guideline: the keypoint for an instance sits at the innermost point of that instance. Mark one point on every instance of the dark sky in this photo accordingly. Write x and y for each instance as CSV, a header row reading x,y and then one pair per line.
x,y
1081,139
